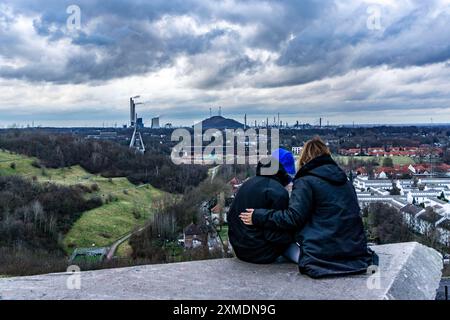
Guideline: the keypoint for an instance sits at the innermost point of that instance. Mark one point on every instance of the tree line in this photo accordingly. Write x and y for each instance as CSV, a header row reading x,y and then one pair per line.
x,y
385,225
103,157
158,241
33,219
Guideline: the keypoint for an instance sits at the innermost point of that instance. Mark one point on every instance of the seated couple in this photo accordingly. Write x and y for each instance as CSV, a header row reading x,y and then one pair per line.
x,y
319,227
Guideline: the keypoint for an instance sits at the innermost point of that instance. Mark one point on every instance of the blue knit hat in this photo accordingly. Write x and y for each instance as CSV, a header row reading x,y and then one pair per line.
x,y
286,159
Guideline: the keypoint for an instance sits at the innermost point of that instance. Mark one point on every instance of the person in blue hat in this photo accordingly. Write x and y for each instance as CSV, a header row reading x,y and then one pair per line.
x,y
286,159
258,245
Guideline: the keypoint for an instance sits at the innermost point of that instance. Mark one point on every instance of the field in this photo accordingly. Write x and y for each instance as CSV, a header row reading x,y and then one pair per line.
x,y
398,160
126,205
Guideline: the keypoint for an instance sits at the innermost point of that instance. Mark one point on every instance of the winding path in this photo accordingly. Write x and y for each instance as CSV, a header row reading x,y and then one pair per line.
x,y
113,248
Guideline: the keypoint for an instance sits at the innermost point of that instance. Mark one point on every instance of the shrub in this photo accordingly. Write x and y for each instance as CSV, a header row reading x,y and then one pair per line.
x,y
136,213
83,188
94,202
111,198
36,164
25,262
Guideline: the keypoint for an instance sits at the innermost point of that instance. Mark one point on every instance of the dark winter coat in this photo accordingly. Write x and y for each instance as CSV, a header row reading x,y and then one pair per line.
x,y
324,213
253,244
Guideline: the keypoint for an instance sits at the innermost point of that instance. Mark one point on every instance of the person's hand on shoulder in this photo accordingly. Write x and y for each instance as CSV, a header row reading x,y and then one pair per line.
x,y
246,217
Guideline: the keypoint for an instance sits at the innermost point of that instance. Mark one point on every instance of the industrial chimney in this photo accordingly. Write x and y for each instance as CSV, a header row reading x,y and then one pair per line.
x,y
132,113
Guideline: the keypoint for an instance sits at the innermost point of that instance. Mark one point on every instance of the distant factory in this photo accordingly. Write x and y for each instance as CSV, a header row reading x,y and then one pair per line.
x,y
218,121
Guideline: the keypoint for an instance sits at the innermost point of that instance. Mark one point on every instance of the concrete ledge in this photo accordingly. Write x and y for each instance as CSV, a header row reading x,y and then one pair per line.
x,y
407,271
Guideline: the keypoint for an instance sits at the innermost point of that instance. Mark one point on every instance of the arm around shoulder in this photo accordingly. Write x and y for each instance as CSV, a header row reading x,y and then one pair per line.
x,y
295,216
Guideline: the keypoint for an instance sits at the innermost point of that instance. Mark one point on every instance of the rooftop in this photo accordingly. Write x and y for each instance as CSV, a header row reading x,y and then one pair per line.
x,y
411,209
430,216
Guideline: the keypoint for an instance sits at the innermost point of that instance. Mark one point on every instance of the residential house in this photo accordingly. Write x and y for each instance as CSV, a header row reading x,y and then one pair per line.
x,y
195,236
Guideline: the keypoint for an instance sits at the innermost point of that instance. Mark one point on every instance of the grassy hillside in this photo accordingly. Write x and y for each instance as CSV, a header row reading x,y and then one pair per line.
x,y
126,206
103,225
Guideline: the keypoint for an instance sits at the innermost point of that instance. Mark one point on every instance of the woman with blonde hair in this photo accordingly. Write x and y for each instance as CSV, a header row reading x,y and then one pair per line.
x,y
325,216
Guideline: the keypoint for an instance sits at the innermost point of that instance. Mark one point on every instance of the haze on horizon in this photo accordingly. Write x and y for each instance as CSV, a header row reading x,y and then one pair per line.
x,y
375,61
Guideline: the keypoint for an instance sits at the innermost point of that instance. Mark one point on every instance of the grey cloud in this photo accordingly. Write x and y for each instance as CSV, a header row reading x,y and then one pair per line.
x,y
334,46
222,76
131,48
328,41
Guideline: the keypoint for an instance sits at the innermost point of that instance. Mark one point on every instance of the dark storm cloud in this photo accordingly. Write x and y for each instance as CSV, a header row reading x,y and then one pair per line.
x,y
127,45
342,42
238,64
122,40
121,44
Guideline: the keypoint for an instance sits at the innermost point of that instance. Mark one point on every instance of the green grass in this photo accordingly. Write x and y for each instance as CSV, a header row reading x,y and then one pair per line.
x,y
124,250
224,233
398,160
100,226
6,156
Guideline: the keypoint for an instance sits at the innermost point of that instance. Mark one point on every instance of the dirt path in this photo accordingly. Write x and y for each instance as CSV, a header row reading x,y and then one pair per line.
x,y
113,248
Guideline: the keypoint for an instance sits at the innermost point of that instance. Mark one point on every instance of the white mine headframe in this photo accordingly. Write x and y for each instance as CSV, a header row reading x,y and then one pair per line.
x,y
136,141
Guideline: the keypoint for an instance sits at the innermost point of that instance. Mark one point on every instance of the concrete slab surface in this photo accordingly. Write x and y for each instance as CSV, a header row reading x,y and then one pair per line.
x,y
407,271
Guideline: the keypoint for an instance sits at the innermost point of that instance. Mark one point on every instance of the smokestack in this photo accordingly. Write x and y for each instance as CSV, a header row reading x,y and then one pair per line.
x,y
220,111
320,123
245,122
279,123
132,112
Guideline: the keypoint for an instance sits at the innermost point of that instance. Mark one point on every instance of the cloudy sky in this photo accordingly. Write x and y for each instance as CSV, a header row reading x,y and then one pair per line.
x,y
363,61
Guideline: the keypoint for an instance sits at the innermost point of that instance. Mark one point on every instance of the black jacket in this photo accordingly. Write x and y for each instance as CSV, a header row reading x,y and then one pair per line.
x,y
253,244
324,212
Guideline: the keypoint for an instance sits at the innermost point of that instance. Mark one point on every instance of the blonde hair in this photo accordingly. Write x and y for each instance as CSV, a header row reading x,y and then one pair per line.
x,y
312,149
